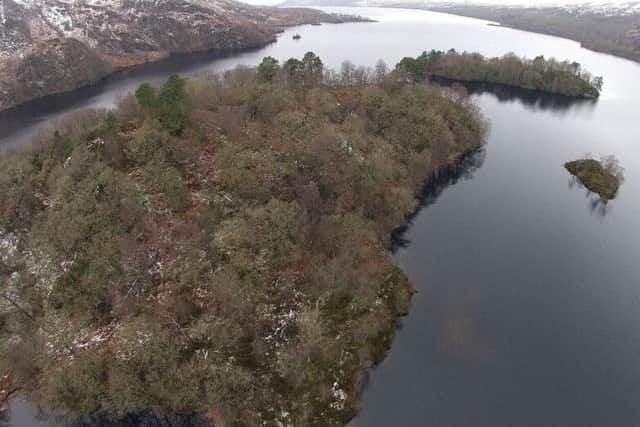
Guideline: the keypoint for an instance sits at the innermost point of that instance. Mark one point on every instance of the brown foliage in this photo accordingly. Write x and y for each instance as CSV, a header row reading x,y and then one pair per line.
x,y
238,268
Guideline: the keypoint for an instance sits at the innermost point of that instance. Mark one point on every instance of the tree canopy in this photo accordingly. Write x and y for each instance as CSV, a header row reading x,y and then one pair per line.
x,y
547,75
219,246
268,69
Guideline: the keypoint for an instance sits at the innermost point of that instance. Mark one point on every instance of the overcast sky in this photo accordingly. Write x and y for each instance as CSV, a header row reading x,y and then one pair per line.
x,y
519,2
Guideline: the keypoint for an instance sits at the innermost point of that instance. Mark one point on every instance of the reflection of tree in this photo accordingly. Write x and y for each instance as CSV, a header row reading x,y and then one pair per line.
x,y
41,110
595,203
100,420
147,420
436,184
457,315
529,98
598,207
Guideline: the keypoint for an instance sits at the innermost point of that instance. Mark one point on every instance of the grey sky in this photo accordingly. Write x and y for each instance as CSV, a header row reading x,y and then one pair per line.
x,y
518,2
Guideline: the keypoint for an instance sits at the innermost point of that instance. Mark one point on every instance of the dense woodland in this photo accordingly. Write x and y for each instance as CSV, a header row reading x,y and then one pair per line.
x,y
540,74
219,246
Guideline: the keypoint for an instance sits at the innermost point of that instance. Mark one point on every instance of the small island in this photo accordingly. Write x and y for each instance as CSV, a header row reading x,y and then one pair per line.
x,y
600,176
538,74
296,36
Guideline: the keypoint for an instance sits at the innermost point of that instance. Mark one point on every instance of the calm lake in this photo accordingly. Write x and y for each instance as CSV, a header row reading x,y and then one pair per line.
x,y
528,303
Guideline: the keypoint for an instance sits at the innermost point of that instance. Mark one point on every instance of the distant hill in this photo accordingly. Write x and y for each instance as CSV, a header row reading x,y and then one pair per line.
x,y
307,3
603,27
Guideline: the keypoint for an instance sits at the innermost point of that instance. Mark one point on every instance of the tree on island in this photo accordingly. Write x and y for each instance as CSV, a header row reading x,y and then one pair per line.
x,y
547,75
603,176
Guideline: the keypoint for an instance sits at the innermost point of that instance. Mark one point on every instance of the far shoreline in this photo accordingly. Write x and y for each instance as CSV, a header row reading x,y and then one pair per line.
x,y
489,22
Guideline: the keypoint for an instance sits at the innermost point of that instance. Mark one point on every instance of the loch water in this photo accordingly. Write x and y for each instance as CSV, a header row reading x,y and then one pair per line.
x,y
528,305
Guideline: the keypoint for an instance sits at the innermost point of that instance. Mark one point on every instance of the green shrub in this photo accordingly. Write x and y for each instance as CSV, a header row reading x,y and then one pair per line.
x,y
173,187
80,388
146,97
268,69
153,145
173,105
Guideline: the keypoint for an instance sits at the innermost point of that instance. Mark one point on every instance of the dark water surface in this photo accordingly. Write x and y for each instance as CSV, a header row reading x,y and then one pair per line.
x,y
528,311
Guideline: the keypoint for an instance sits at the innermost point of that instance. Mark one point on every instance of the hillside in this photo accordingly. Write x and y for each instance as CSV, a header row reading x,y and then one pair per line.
x,y
52,46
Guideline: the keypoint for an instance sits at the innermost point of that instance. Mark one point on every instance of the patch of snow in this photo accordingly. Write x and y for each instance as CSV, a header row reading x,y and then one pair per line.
x,y
602,7
27,3
605,8
283,319
339,397
8,247
42,267
57,17
3,18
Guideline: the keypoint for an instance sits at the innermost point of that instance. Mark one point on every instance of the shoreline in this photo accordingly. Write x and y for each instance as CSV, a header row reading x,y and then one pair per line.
x,y
168,57
430,189
447,81
215,53
432,186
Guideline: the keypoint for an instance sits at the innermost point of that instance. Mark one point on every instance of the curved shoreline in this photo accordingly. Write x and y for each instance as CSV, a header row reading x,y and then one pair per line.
x,y
427,193
195,56
168,57
447,81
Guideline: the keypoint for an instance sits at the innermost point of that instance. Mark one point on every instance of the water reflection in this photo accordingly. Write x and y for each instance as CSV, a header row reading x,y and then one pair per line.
x,y
25,414
531,99
435,185
19,123
456,321
596,204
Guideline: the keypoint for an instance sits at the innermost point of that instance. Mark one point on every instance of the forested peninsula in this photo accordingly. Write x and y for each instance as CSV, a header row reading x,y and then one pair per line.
x,y
219,246
539,74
